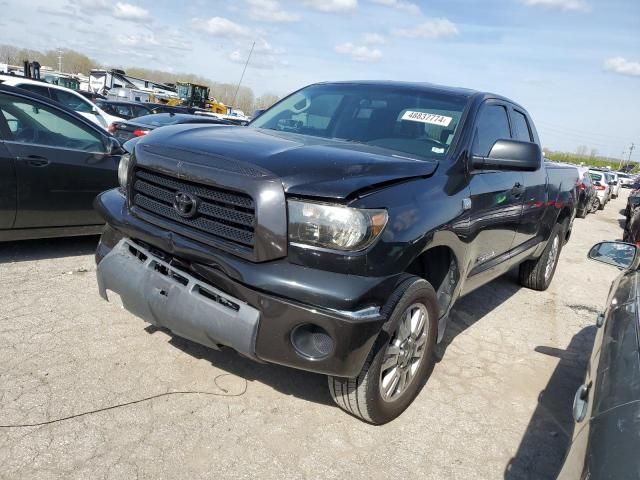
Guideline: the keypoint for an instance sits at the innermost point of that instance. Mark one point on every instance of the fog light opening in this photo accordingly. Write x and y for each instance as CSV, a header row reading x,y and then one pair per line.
x,y
312,342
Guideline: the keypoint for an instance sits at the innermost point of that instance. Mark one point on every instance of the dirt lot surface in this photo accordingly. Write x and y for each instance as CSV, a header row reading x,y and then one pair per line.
x,y
146,405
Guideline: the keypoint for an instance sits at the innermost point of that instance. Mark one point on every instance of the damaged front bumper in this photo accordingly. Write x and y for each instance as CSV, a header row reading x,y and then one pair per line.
x,y
167,297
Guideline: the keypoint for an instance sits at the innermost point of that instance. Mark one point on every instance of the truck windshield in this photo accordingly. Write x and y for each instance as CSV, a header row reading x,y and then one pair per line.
x,y
402,119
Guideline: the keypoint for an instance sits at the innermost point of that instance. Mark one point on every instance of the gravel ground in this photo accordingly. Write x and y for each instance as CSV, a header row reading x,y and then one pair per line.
x,y
147,405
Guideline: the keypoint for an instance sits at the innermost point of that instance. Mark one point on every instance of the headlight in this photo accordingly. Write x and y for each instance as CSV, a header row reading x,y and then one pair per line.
x,y
334,226
123,170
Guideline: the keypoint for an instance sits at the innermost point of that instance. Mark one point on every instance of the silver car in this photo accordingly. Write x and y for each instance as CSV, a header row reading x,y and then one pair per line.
x,y
615,188
625,180
603,190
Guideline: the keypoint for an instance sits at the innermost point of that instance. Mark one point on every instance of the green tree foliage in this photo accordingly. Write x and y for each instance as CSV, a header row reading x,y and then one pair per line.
x,y
585,159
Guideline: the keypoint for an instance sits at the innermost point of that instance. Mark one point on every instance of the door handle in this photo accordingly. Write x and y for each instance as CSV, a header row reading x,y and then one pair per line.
x,y
37,161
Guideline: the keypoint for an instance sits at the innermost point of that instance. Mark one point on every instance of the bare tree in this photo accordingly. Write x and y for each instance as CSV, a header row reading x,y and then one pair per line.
x,y
266,100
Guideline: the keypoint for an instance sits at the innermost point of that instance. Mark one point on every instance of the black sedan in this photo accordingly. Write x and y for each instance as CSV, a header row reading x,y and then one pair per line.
x,y
53,163
138,127
633,200
124,109
606,408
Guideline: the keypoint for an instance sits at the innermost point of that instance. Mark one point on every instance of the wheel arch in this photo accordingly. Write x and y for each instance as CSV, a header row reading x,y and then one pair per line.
x,y
441,267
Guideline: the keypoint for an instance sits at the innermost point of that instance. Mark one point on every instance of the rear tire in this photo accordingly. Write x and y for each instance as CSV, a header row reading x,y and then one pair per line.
x,y
538,274
595,206
601,205
400,361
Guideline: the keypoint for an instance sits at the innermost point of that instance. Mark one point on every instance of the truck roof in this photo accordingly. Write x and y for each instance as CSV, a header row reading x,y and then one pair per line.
x,y
425,86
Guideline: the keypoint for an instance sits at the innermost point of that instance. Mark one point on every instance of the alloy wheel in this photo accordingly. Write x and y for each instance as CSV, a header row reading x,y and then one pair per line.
x,y
404,353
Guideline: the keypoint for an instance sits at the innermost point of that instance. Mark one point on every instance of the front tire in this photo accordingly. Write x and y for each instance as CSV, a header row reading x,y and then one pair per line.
x,y
537,274
400,361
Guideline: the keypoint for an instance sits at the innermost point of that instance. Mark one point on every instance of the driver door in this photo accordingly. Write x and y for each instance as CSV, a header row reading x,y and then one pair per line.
x,y
496,197
61,165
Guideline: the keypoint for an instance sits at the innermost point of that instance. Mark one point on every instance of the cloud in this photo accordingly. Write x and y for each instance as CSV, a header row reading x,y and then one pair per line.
x,y
373,39
50,11
126,11
400,5
332,5
170,39
360,53
270,11
220,27
264,57
262,46
432,29
577,5
622,66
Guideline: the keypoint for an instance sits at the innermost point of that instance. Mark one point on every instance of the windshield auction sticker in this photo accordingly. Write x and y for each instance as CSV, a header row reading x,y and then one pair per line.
x,y
425,117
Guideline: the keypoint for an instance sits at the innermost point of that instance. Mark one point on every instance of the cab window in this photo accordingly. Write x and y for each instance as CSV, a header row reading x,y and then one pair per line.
x,y
492,124
521,126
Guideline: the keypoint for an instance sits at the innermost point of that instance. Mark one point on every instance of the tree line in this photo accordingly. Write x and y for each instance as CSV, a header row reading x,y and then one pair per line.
x,y
76,62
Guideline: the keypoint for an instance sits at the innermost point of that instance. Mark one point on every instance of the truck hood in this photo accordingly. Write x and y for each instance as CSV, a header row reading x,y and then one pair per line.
x,y
306,165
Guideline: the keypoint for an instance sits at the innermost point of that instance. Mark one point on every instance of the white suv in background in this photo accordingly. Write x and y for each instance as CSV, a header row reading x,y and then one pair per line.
x,y
64,96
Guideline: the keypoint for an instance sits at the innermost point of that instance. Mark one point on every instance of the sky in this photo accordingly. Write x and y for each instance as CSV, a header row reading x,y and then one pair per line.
x,y
574,64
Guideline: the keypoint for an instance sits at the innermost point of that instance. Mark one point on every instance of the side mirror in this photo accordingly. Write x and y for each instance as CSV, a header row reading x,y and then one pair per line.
x,y
510,155
114,147
618,254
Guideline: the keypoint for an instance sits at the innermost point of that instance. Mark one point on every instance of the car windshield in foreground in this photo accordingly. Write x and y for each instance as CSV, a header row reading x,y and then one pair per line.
x,y
402,119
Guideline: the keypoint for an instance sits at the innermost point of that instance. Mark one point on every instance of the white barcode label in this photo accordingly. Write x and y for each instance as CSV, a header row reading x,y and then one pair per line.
x,y
424,117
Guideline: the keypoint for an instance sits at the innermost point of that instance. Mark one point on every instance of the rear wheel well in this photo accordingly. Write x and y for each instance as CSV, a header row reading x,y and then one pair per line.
x,y
438,267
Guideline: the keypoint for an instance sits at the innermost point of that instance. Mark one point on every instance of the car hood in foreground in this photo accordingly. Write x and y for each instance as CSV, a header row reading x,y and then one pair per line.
x,y
306,166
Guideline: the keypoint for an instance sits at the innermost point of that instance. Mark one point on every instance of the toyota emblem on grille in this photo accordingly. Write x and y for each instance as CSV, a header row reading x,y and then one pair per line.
x,y
185,204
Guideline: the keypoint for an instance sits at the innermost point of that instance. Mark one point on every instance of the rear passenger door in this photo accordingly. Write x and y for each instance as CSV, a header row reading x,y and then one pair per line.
x,y
535,185
496,196
7,179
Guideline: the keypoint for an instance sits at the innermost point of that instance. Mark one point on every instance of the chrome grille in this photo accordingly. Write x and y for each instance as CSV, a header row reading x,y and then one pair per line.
x,y
222,214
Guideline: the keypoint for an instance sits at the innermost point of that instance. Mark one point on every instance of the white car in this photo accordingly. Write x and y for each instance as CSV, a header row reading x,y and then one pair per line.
x,y
603,191
625,180
615,188
66,97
